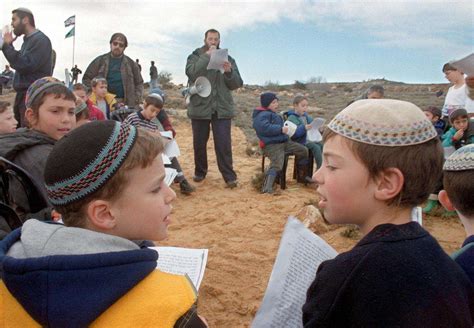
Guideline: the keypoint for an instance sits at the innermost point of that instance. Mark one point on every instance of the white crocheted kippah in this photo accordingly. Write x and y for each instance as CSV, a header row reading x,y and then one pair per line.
x,y
383,122
461,160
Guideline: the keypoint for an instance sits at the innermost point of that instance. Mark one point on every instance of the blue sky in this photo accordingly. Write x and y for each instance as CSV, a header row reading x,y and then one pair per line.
x,y
279,41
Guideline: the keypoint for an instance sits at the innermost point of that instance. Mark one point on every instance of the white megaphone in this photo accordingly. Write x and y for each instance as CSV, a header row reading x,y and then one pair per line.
x,y
201,87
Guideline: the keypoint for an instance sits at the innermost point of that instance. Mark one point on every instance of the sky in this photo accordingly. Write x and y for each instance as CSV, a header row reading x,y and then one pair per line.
x,y
277,41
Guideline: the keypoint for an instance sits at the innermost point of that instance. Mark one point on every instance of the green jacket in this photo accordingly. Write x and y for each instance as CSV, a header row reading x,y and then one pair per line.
x,y
220,100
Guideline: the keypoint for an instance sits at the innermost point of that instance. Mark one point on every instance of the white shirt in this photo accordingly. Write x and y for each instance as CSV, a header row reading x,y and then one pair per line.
x,y
455,98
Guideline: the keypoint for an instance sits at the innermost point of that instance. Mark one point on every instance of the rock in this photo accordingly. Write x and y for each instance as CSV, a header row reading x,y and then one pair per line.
x,y
313,219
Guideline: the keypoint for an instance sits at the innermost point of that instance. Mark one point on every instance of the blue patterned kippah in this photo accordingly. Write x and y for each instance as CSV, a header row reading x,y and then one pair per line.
x,y
85,159
383,122
38,87
461,160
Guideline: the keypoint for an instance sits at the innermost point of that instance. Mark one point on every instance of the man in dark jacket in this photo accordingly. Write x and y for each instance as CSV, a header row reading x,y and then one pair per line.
x,y
32,62
123,76
216,110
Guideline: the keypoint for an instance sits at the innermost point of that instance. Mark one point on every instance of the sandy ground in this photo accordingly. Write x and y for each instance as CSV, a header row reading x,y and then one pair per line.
x,y
242,230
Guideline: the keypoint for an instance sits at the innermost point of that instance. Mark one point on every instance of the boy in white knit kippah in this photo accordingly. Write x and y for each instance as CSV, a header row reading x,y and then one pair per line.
x,y
381,158
458,195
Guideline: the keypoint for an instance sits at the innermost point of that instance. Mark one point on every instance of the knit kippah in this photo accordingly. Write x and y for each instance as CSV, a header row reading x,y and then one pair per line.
x,y
383,122
85,159
461,160
37,87
454,113
80,107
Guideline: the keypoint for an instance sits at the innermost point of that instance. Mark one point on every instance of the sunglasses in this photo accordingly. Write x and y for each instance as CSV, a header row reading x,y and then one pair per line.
x,y
118,44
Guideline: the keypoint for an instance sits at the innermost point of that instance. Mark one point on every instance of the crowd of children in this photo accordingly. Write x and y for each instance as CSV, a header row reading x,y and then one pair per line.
x,y
99,173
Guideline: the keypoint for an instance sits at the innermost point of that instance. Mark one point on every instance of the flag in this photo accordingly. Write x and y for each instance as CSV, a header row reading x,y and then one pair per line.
x,y
72,32
70,21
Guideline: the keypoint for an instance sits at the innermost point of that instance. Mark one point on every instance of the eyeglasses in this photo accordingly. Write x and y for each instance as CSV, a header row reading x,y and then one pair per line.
x,y
118,44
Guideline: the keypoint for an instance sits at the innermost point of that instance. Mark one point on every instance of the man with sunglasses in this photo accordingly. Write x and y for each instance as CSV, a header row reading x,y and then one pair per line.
x,y
121,72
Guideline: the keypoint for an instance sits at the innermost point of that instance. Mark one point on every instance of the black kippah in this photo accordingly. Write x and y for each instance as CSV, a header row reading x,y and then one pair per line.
x,y
85,159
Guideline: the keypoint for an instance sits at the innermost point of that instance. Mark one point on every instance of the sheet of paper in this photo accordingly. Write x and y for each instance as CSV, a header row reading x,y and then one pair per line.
x,y
170,174
416,215
166,159
313,134
291,128
299,255
172,149
177,260
218,57
167,134
465,65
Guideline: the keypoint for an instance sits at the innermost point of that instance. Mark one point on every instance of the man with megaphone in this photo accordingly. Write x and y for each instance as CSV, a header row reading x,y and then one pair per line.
x,y
214,110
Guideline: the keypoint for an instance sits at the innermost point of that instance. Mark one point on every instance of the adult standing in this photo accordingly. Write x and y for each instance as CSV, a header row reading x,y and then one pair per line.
x,y
75,74
32,62
216,110
153,76
121,72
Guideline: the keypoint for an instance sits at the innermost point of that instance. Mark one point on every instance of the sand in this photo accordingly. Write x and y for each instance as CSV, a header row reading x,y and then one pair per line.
x,y
242,230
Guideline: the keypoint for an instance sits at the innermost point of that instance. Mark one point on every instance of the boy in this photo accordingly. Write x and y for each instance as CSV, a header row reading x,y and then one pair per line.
x,y
372,176
80,91
457,93
146,118
462,131
8,122
458,194
106,179
434,115
101,98
274,139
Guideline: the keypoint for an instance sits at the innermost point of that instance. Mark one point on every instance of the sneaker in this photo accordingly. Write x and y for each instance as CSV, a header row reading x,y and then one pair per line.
x,y
198,178
231,184
186,188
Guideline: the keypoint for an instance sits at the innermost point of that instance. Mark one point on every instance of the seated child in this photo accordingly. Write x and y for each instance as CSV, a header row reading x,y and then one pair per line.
x,y
144,118
462,131
458,194
80,91
300,117
50,115
102,178
8,122
274,139
434,115
99,96
372,176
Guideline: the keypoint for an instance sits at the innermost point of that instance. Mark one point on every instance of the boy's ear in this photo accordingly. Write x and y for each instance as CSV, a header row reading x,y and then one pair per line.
x,y
99,213
445,201
30,116
389,184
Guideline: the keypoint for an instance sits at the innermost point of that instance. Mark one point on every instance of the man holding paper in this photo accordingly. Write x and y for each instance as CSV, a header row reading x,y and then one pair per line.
x,y
216,110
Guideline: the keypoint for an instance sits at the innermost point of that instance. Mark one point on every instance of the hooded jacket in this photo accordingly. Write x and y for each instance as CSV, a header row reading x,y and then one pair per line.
x,y
59,276
268,125
220,100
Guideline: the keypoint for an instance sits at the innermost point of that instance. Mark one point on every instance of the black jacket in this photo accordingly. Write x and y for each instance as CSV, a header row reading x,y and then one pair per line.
x,y
396,276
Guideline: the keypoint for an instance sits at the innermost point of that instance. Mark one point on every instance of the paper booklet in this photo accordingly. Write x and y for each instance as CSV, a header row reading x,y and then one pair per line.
x,y
465,65
299,255
218,57
313,134
177,260
171,147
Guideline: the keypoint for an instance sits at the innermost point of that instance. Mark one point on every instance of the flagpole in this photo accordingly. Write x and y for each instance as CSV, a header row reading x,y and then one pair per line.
x,y
73,45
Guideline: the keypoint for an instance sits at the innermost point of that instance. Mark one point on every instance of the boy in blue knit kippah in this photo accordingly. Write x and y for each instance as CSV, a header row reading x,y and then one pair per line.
x,y
458,195
381,158
107,180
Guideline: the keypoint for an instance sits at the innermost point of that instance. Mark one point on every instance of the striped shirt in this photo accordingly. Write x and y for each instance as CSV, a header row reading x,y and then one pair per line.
x,y
138,120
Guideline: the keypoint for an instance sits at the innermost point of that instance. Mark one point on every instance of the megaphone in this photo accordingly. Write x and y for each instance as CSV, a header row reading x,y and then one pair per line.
x,y
201,87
